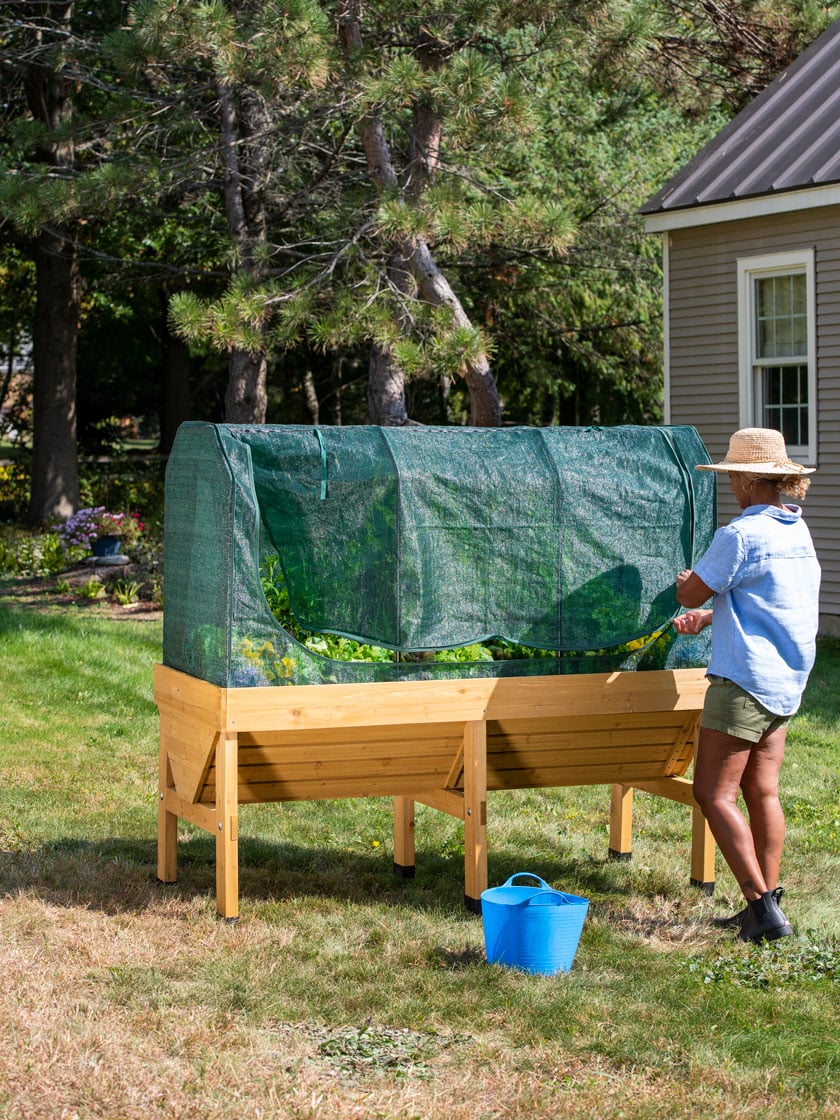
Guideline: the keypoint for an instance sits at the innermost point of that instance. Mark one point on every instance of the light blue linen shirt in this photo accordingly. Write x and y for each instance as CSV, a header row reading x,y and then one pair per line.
x,y
766,578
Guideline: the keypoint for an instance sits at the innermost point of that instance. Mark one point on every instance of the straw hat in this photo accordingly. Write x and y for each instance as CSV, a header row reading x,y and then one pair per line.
x,y
757,451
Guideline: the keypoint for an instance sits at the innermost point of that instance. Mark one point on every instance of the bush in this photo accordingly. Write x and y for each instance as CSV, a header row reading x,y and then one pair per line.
x,y
35,554
14,490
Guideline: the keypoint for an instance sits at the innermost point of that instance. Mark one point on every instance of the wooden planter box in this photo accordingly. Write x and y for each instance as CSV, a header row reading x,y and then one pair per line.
x,y
445,744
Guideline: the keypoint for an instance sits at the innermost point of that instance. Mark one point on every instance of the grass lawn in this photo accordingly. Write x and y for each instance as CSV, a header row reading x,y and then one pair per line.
x,y
345,993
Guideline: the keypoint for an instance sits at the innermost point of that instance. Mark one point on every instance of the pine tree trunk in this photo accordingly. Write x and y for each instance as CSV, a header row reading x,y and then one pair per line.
x,y
386,390
310,395
412,254
55,467
49,94
246,398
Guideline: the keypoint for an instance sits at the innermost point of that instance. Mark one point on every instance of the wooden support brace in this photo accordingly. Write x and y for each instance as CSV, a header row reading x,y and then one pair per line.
x,y
475,813
621,822
404,837
227,825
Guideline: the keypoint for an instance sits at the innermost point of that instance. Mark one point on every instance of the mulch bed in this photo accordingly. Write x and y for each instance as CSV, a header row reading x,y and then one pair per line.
x,y
39,593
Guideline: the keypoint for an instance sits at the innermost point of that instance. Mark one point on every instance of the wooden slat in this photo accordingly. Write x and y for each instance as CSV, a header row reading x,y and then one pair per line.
x,y
419,786
378,745
561,739
434,770
314,789
604,721
590,774
423,702
538,757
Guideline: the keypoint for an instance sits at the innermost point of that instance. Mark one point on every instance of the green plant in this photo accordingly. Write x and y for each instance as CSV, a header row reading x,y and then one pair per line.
x,y
349,649
91,589
24,553
62,587
125,592
769,965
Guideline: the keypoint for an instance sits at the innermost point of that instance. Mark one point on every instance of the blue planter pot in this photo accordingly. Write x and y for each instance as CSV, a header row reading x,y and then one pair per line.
x,y
106,546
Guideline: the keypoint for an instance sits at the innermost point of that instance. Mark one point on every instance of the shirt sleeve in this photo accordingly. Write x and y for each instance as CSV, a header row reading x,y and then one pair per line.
x,y
720,566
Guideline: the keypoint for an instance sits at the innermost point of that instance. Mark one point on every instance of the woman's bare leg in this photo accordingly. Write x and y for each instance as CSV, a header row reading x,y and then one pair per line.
x,y
760,787
719,768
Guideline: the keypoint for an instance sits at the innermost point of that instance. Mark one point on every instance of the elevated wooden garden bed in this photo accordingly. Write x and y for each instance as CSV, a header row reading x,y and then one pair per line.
x,y
445,744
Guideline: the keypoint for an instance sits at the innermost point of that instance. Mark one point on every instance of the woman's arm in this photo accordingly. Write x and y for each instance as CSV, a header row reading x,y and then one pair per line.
x,y
691,590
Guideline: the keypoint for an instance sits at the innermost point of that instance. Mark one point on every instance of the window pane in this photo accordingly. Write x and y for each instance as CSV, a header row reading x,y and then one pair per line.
x,y
784,401
763,299
772,385
784,338
800,294
790,386
790,427
780,316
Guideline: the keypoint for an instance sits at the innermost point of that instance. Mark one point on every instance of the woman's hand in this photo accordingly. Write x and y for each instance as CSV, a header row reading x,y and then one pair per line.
x,y
692,622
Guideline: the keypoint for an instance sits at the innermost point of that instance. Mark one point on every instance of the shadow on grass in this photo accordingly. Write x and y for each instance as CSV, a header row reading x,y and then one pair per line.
x,y
120,875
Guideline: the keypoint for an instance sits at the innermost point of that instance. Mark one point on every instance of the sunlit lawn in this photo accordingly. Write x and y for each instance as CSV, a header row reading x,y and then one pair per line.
x,y
344,992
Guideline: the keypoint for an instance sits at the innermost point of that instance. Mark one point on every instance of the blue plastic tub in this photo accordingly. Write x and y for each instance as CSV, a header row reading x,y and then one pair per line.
x,y
535,929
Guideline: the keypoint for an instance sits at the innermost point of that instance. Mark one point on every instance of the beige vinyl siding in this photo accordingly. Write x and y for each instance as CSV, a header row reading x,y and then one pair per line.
x,y
703,324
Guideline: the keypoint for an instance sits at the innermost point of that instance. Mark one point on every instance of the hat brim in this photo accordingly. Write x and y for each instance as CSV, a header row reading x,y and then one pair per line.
x,y
756,468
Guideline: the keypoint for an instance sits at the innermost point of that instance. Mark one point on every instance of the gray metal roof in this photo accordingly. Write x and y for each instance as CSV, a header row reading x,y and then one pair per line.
x,y
787,138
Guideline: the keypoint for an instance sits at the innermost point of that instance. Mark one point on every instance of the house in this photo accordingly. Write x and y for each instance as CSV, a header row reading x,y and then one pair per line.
x,y
751,236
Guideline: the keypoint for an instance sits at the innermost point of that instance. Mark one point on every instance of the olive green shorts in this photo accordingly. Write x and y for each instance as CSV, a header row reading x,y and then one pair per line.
x,y
729,709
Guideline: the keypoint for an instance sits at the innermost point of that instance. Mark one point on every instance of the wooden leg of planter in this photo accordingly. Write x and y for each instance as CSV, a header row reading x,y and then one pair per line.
x,y
404,837
702,853
621,822
227,825
475,814
167,856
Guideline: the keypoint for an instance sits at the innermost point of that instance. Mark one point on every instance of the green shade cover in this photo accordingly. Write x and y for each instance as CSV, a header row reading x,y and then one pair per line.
x,y
418,539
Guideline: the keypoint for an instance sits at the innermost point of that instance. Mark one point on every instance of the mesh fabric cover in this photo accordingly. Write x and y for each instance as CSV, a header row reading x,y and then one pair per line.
x,y
418,539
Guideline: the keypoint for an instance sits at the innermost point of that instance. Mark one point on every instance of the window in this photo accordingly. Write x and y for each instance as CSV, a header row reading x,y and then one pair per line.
x,y
777,365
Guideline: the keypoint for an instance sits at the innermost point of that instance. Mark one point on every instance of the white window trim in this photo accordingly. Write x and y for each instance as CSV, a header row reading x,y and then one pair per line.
x,y
666,324
749,268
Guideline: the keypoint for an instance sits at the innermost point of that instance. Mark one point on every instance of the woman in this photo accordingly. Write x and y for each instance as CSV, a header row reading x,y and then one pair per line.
x,y
763,575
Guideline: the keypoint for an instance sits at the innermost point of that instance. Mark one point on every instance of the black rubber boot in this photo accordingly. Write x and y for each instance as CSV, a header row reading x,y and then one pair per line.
x,y
765,921
735,921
